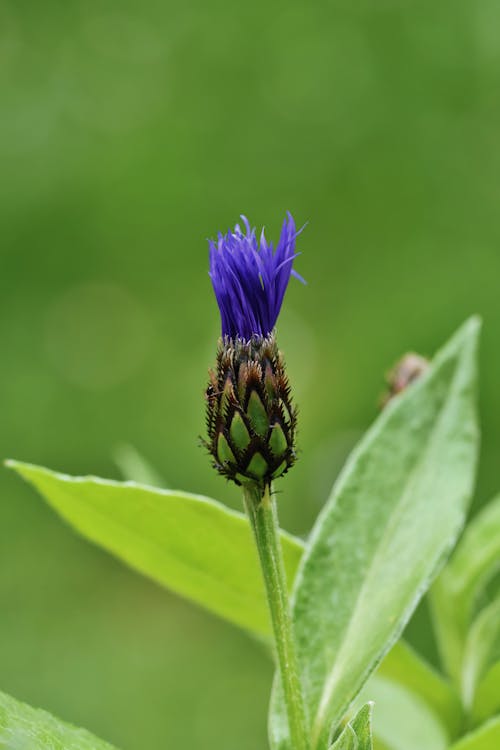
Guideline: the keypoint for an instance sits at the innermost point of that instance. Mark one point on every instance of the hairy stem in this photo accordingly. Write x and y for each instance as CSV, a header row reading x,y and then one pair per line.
x,y
261,510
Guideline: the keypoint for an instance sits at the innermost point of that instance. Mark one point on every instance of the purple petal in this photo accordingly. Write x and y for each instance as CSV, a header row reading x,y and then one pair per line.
x,y
250,278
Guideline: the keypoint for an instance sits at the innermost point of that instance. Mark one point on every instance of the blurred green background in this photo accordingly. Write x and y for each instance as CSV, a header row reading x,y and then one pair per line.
x,y
129,133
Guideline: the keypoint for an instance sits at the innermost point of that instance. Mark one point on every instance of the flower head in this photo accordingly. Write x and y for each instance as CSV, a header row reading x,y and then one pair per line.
x,y
250,278
251,420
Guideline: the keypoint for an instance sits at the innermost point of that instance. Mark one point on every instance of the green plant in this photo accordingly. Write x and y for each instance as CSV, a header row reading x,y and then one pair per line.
x,y
333,607
382,538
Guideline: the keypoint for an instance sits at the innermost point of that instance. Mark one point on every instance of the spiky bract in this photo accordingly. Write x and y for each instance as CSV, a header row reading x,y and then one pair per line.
x,y
250,418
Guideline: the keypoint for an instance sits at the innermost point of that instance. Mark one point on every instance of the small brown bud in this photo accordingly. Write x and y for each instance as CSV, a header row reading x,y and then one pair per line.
x,y
405,371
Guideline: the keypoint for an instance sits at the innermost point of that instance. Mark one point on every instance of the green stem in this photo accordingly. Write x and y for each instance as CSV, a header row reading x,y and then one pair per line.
x,y
261,510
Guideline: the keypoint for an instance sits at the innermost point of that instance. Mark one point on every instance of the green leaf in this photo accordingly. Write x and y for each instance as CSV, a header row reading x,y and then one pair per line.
x,y
403,720
26,728
486,737
482,649
404,666
487,698
193,545
401,664
357,734
456,591
415,707
394,514
134,467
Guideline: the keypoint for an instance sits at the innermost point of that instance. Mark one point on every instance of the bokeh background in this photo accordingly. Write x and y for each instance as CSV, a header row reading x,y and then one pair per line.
x,y
129,133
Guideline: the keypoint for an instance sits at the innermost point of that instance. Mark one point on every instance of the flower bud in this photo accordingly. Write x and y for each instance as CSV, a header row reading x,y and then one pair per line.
x,y
250,418
410,367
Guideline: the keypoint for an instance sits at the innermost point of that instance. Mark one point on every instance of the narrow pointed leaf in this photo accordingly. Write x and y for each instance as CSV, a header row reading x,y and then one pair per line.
x,y
482,650
487,698
134,467
193,545
403,666
26,728
475,561
394,514
487,737
357,733
403,720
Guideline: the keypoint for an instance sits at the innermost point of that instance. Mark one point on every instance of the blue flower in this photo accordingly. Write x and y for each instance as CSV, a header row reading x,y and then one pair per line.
x,y
250,278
